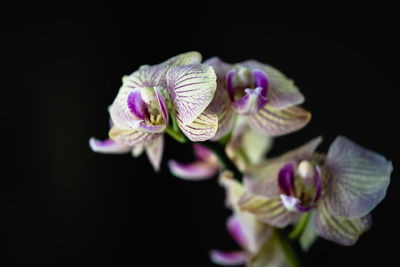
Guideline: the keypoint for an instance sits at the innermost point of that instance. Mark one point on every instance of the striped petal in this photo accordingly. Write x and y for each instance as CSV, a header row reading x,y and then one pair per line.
x,y
196,171
187,58
148,76
127,108
282,93
155,75
191,88
202,128
131,137
220,104
358,178
154,152
273,122
338,229
108,146
226,119
270,211
231,258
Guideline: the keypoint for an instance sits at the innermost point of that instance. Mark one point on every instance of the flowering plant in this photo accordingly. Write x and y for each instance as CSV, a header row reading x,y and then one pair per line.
x,y
241,107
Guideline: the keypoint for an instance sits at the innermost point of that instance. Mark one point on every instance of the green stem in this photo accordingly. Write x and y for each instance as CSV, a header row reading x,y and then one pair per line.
x,y
178,136
226,163
174,123
290,255
299,226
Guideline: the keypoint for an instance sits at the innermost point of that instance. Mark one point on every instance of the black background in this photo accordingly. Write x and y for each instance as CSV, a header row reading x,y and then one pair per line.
x,y
63,205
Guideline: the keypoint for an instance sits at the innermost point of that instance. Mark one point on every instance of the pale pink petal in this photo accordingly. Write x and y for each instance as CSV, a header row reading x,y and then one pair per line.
x,y
154,152
108,146
196,171
231,258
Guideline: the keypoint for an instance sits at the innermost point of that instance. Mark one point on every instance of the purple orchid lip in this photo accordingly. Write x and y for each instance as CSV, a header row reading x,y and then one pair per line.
x,y
302,208
137,106
260,80
286,178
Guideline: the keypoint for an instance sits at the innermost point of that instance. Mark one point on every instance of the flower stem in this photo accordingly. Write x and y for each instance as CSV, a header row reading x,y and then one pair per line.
x,y
225,162
300,226
287,249
178,136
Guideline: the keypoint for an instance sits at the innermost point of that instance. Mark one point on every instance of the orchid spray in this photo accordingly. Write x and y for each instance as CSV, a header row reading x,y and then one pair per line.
x,y
240,108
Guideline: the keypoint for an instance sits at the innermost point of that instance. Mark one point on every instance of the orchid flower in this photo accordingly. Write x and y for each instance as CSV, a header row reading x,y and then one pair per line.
x,y
337,190
262,94
257,240
179,89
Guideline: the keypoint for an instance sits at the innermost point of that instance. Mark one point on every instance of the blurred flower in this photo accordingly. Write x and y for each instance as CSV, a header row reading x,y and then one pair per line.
x,y
181,87
206,166
258,242
262,94
340,189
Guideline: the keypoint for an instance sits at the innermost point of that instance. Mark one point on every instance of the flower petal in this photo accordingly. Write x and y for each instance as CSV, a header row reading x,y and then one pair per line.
x,y
338,229
270,211
131,137
233,189
236,231
273,122
126,108
154,152
108,146
187,58
231,258
358,178
270,255
202,153
282,93
196,171
137,106
149,76
251,102
246,145
226,118
162,104
248,231
202,128
191,88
